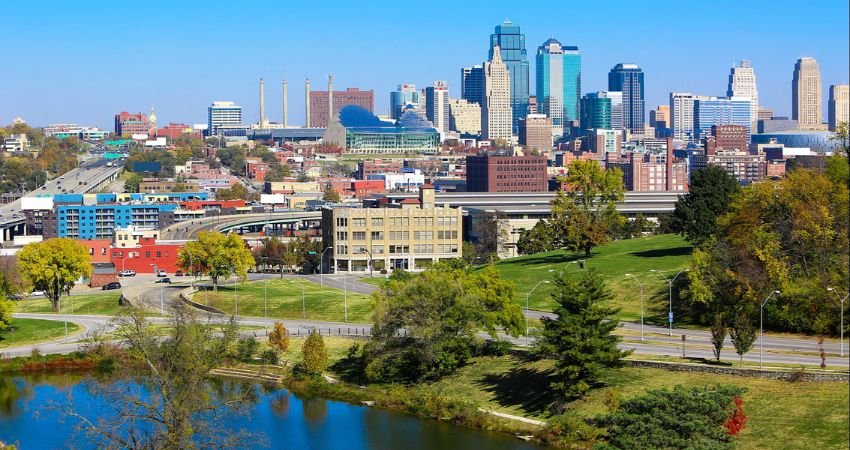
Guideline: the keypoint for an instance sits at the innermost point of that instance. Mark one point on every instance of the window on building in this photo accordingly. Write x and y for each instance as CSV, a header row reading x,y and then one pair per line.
x,y
358,236
377,221
377,235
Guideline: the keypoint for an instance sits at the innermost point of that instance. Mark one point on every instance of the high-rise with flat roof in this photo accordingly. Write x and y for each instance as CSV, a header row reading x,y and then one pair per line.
x,y
511,44
472,83
558,83
660,117
223,114
595,111
506,173
721,111
437,105
496,111
319,101
806,96
742,83
682,116
128,124
405,96
839,105
465,116
628,79
535,132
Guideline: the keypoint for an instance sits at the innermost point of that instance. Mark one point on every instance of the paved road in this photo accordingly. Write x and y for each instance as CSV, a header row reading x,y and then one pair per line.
x,y
189,229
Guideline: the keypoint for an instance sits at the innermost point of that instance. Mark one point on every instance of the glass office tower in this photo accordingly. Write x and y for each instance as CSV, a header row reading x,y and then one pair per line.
x,y
512,46
628,79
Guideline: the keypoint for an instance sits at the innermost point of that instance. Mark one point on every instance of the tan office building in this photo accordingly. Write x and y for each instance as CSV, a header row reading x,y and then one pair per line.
x,y
411,236
839,105
806,95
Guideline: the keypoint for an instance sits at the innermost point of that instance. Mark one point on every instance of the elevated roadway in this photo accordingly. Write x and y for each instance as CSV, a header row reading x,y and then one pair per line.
x,y
189,229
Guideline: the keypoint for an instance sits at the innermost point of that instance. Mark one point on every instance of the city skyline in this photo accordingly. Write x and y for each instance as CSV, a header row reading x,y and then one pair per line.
x,y
136,64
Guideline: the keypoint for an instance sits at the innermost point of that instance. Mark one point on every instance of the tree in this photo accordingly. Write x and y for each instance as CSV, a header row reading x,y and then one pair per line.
x,y
682,417
583,217
331,195
279,337
743,334
491,234
426,326
536,240
53,266
709,195
314,353
580,338
235,192
217,256
718,334
170,405
132,183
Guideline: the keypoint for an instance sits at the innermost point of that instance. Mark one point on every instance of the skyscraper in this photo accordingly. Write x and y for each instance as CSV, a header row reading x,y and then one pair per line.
x,y
595,111
558,83
437,105
628,79
806,99
511,43
405,95
496,111
711,111
839,105
682,116
472,83
660,117
742,83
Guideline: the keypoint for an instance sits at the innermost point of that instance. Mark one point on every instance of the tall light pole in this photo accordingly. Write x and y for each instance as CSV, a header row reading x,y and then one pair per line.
x,y
303,304
527,295
761,329
641,302
345,299
370,260
841,300
670,296
322,266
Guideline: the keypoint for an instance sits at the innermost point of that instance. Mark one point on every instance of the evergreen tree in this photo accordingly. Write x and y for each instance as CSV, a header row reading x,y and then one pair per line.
x,y
580,338
709,195
315,354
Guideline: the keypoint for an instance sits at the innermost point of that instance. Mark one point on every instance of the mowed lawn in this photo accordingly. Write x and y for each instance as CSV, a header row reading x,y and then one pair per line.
x,y
105,303
285,301
780,414
30,331
667,253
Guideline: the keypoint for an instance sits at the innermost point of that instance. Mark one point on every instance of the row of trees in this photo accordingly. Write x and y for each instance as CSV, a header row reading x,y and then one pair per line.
x,y
300,252
217,256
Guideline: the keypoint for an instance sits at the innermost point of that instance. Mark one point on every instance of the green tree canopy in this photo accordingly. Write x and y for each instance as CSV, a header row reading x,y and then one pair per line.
x,y
580,338
710,192
426,325
217,256
54,266
584,215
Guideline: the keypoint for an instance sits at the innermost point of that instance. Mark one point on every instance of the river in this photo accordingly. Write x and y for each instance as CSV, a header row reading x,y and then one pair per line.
x,y
30,416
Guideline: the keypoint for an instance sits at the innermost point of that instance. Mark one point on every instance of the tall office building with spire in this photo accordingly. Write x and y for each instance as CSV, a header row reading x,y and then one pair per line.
x,y
558,83
806,95
742,83
496,111
511,44
628,79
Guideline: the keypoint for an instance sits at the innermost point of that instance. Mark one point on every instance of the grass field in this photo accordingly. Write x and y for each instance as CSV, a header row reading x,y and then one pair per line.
x,y
30,331
781,414
666,253
285,301
105,303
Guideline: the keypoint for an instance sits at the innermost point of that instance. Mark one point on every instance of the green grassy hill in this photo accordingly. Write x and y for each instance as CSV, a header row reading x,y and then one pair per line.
x,y
666,253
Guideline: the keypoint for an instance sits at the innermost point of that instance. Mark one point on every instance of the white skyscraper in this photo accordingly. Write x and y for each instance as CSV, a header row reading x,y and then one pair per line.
x,y
806,95
223,113
839,105
437,105
682,115
496,113
742,83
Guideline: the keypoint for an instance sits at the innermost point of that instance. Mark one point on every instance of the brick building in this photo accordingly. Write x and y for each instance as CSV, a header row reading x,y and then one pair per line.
x,y
149,255
127,124
369,167
351,96
535,132
730,137
365,188
503,173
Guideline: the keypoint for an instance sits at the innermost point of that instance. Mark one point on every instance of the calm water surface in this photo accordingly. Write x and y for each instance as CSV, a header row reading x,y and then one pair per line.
x,y
28,415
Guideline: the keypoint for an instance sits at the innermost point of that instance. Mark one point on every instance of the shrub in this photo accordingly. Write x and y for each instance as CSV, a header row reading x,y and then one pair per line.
x,y
496,347
315,355
279,337
246,348
270,357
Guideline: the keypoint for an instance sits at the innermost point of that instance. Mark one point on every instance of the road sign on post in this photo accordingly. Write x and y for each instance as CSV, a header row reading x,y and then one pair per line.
x,y
670,317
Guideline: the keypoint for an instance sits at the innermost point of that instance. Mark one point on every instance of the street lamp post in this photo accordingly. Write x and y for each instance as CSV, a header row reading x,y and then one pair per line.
x,y
322,266
370,260
670,296
841,300
641,302
761,329
527,295
303,304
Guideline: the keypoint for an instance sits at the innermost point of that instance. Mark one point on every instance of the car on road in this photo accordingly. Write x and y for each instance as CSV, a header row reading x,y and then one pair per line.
x,y
127,273
162,273
178,273
37,294
165,280
111,286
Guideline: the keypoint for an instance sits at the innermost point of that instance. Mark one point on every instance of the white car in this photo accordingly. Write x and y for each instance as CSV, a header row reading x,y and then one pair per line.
x,y
37,294
127,273
161,274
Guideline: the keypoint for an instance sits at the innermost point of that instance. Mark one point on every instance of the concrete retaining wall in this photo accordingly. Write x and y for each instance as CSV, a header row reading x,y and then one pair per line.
x,y
789,375
186,297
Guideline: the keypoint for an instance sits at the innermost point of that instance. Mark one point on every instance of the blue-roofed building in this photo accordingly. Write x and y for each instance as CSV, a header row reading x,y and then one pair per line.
x,y
817,141
357,130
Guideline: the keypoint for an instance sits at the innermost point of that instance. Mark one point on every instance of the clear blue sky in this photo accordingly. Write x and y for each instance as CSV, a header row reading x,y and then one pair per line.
x,y
84,61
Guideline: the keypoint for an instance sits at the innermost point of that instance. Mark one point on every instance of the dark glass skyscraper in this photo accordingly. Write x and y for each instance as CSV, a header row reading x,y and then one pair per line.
x,y
595,112
628,79
472,84
512,46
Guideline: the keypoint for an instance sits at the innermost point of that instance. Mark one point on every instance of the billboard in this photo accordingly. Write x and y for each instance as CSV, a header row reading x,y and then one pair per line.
x,y
272,199
36,203
145,166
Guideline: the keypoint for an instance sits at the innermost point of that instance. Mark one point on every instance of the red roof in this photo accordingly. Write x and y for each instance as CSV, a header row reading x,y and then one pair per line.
x,y
427,186
410,201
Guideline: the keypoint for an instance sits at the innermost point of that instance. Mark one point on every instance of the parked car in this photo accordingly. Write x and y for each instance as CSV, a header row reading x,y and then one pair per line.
x,y
111,286
127,273
37,294
163,280
161,274
178,273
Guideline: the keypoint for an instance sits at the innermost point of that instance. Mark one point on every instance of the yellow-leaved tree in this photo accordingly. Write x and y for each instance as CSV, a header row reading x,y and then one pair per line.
x,y
53,266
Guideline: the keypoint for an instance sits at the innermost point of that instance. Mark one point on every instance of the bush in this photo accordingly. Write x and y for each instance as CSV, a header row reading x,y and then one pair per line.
x,y
246,348
495,347
270,357
315,355
279,337
569,431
